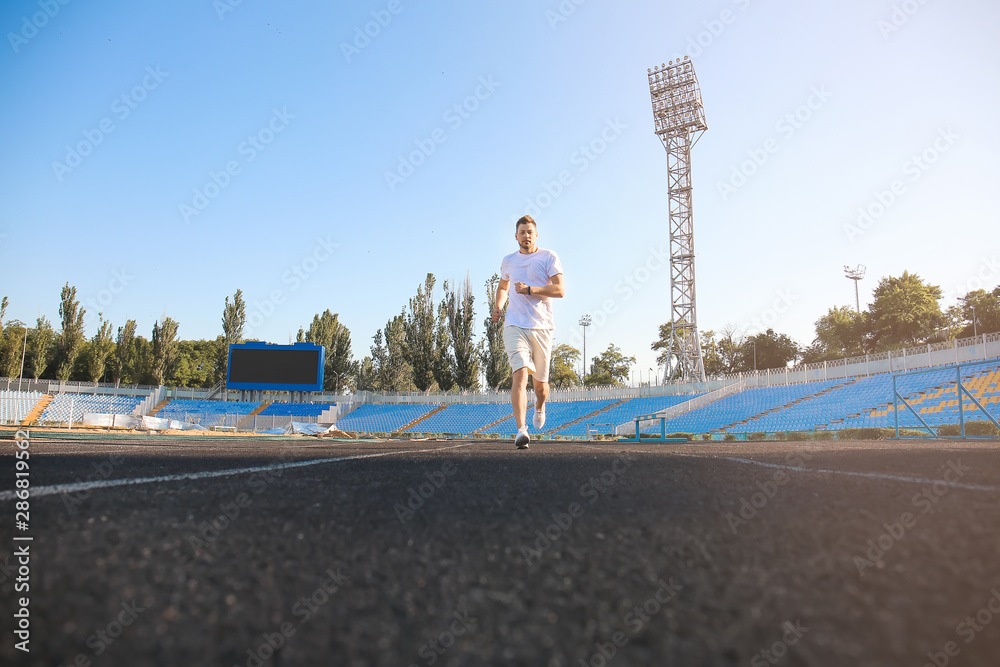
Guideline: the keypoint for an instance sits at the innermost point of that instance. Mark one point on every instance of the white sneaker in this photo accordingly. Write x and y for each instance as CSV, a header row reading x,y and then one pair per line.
x,y
522,438
539,419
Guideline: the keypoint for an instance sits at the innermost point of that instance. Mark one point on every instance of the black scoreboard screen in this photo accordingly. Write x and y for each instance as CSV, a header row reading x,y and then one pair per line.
x,y
260,366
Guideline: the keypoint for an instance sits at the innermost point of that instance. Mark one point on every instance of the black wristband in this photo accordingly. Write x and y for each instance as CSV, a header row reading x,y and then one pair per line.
x,y
529,290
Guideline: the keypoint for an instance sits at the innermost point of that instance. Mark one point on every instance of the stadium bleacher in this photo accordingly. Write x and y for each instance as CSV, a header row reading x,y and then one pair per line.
x,y
934,396
295,409
817,405
463,418
16,405
826,405
66,406
732,412
208,413
624,412
557,414
383,418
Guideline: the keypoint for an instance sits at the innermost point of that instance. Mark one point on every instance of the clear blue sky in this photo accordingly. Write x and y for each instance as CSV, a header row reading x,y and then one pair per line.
x,y
160,155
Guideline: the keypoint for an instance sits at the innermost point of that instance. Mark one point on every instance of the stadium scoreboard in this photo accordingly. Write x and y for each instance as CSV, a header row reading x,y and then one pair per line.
x,y
266,367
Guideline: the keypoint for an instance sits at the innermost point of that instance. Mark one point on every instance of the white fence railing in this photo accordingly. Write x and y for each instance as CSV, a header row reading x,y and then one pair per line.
x,y
978,348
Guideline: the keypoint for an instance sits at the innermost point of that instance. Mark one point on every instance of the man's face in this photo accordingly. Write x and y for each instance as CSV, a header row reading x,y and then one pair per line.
x,y
526,237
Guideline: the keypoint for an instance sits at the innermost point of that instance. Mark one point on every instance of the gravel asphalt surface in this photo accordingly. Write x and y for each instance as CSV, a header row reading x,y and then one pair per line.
x,y
259,552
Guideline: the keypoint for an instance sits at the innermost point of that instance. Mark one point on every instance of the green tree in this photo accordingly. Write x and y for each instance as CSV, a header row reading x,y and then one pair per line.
x,y
444,360
562,369
195,365
840,333
717,355
419,328
609,367
492,351
904,311
40,341
3,311
985,305
234,319
390,365
720,351
142,370
462,323
101,347
11,348
164,350
71,338
366,378
770,349
122,362
339,367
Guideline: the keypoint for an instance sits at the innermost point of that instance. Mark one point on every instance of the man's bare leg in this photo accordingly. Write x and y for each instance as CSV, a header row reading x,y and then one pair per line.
x,y
541,395
518,398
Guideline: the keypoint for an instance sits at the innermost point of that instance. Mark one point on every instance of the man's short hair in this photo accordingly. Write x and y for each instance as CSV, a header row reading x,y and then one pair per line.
x,y
525,220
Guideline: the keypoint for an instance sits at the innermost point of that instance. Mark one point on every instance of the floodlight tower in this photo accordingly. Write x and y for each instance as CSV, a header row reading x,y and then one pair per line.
x,y
856,275
679,120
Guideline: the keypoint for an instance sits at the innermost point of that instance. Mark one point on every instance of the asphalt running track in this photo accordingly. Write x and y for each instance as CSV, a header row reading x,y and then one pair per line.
x,y
250,551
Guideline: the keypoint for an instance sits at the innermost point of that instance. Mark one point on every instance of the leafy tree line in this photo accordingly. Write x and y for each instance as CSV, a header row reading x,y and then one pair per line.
x,y
119,356
432,344
905,311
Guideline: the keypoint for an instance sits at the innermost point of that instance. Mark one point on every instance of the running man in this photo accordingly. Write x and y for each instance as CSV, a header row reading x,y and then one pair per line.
x,y
527,334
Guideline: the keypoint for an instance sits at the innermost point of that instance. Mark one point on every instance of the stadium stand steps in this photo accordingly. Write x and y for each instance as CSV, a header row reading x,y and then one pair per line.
x,y
218,390
588,416
159,406
36,412
786,405
480,431
408,428
249,418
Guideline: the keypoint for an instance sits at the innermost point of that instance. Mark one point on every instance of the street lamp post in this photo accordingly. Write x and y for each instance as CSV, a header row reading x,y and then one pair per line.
x,y
975,331
585,322
24,348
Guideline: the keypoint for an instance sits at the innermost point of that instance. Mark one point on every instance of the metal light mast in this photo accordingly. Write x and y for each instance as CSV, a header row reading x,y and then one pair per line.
x,y
855,275
679,119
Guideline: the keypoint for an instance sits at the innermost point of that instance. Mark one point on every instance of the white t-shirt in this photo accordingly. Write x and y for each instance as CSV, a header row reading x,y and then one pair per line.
x,y
535,269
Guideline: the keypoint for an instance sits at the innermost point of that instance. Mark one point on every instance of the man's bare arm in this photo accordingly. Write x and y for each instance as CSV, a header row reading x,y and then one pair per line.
x,y
554,290
501,298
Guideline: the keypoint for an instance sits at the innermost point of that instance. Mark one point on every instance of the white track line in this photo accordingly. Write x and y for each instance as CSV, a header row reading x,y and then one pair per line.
x,y
848,473
39,491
